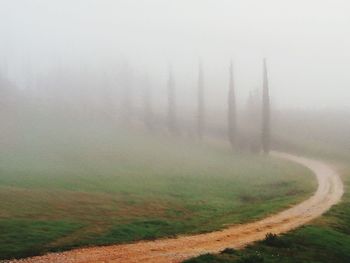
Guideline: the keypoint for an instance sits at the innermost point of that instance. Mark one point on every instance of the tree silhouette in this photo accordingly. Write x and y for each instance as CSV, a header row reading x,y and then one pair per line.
x,y
201,103
231,114
147,105
127,93
266,130
172,118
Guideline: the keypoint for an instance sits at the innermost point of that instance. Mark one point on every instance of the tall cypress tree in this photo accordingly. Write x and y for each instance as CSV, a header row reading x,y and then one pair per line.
x,y
127,93
147,105
266,129
231,114
172,118
201,103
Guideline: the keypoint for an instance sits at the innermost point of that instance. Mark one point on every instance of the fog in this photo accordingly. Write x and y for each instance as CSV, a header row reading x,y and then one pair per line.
x,y
305,42
193,126
169,66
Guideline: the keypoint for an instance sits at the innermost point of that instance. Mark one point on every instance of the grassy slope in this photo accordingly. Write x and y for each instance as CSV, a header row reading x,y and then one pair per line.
x,y
326,239
65,185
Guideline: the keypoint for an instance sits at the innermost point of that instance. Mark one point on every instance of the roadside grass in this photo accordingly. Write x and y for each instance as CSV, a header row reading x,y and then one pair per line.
x,y
67,184
325,240
310,244
24,237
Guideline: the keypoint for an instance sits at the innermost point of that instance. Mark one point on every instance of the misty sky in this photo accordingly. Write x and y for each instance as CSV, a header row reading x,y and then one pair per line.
x,y
306,42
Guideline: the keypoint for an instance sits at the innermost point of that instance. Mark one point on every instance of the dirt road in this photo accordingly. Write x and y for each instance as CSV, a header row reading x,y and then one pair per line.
x,y
329,192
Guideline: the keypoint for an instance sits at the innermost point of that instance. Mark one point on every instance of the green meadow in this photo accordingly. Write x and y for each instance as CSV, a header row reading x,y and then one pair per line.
x,y
72,183
324,240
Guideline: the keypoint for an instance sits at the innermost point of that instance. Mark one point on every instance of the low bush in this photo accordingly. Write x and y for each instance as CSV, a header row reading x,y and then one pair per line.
x,y
273,240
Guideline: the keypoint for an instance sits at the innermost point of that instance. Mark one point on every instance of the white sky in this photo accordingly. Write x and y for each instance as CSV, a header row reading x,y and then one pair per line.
x,y
307,42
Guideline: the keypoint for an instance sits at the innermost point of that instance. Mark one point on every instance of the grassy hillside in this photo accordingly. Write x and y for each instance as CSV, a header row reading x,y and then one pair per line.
x,y
69,183
326,239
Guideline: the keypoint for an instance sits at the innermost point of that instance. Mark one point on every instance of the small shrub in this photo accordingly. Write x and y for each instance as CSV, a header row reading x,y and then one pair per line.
x,y
270,239
273,240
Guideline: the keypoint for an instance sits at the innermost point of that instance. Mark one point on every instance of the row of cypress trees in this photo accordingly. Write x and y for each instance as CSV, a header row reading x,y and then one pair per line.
x,y
232,127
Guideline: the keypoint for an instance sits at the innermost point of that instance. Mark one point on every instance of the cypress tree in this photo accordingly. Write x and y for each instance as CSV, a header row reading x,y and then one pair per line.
x,y
127,94
147,105
266,129
231,114
201,105
172,118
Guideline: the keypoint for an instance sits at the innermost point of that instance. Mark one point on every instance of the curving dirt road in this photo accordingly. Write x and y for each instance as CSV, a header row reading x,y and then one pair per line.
x,y
329,192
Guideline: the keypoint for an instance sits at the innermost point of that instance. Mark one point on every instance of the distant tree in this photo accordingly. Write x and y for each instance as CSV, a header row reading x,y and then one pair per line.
x,y
231,114
201,103
147,105
127,92
172,118
266,129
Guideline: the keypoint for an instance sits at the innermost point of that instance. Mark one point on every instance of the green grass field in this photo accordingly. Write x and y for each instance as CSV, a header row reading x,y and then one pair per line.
x,y
65,184
326,239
